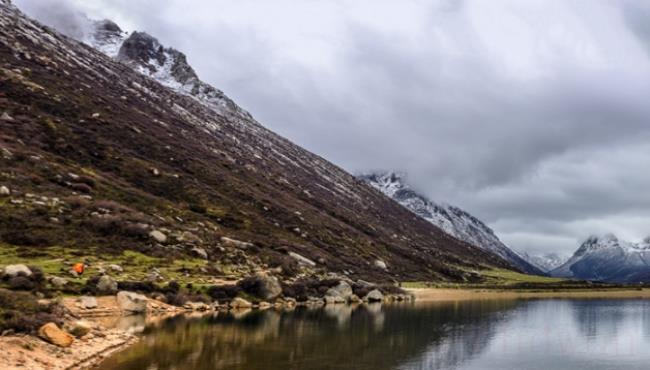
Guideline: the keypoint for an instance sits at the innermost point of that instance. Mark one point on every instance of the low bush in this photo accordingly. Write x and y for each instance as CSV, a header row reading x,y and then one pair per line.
x,y
21,312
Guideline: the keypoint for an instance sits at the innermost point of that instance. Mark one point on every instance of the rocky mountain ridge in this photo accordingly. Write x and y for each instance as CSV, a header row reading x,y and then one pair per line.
x,y
452,220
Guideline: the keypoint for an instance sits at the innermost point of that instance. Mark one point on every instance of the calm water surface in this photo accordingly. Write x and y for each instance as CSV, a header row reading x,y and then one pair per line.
x,y
481,335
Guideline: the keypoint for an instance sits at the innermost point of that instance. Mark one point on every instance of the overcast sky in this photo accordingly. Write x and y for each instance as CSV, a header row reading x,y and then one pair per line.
x,y
534,115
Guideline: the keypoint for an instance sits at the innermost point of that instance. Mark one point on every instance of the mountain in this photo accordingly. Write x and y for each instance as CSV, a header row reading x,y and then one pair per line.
x,y
606,258
102,155
452,220
545,262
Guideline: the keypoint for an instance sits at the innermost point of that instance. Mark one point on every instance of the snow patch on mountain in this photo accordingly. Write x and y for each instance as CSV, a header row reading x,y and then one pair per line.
x,y
452,220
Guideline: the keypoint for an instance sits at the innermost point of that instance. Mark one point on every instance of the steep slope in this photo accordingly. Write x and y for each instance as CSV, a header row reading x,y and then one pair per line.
x,y
98,158
608,259
545,262
453,220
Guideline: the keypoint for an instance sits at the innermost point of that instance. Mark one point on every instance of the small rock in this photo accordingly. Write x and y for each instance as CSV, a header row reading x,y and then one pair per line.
x,y
116,268
155,172
87,302
6,117
238,302
96,115
107,285
374,296
381,264
131,302
58,282
50,332
14,270
80,328
4,191
200,252
302,260
158,236
229,242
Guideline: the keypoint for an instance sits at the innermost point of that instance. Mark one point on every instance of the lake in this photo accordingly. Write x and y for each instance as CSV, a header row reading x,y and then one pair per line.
x,y
471,335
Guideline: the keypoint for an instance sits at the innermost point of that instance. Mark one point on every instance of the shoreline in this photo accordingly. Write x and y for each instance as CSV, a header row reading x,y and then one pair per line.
x,y
466,294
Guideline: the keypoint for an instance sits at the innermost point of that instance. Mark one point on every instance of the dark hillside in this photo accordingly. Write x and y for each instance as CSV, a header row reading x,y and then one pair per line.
x,y
96,157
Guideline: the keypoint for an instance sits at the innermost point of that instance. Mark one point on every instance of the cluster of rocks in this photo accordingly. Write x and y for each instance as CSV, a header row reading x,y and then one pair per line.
x,y
64,337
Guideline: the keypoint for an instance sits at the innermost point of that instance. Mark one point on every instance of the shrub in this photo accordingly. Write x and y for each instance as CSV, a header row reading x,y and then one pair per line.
x,y
223,292
22,313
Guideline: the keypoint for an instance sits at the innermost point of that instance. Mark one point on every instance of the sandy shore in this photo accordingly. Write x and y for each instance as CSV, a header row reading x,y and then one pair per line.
x,y
435,294
111,331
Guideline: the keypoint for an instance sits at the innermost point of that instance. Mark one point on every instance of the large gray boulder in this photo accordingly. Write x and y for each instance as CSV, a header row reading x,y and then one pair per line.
x,y
374,296
106,285
262,285
340,293
130,302
15,270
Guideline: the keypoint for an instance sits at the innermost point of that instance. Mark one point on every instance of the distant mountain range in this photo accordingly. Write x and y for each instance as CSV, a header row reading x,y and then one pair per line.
x,y
607,258
545,262
452,220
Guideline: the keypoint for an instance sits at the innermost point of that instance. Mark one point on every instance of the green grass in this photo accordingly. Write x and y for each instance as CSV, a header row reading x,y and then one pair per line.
x,y
494,278
507,277
58,261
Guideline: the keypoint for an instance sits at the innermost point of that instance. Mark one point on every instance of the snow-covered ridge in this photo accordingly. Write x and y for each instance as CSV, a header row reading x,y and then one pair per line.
x,y
545,262
608,258
168,66
453,220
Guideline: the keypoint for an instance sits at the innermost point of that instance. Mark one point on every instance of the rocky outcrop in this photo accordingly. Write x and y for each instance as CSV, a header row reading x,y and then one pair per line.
x,y
50,332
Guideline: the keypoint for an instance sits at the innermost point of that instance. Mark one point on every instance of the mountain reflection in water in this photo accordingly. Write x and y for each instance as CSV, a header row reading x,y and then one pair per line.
x,y
489,334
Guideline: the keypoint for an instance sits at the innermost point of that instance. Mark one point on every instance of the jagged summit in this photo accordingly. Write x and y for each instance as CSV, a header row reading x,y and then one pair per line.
x,y
453,220
170,67
608,258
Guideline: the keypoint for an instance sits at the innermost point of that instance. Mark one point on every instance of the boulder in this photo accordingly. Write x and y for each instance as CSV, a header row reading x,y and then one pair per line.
x,y
381,264
304,261
79,328
262,285
87,302
130,302
158,236
4,191
15,270
106,285
238,302
374,296
200,252
50,332
340,293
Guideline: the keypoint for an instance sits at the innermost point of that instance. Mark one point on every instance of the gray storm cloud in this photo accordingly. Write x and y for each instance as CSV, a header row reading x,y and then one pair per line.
x,y
532,115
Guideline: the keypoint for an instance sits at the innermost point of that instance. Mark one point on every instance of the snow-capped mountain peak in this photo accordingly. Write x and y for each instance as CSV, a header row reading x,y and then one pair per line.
x,y
607,258
168,66
453,220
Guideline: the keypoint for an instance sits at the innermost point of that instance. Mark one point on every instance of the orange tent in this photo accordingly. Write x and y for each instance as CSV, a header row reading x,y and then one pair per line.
x,y
79,268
